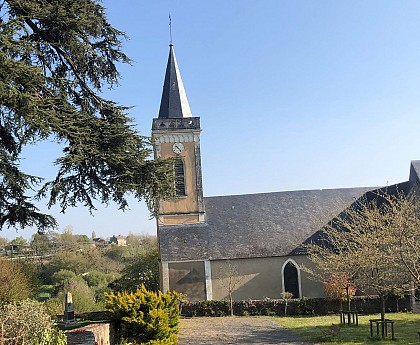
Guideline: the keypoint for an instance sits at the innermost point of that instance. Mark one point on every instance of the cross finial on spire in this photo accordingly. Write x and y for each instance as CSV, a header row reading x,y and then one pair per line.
x,y
170,27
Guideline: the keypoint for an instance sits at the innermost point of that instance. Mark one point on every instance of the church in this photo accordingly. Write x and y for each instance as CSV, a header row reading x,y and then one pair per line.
x,y
248,241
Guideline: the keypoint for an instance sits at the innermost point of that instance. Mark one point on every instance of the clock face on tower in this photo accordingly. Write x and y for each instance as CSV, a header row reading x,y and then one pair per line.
x,y
177,148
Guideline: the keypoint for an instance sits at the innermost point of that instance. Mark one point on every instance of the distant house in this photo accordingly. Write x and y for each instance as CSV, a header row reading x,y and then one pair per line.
x,y
16,248
259,234
120,241
99,241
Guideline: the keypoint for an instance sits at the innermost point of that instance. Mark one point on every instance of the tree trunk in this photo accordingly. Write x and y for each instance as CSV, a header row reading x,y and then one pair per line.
x,y
230,303
348,298
382,297
383,315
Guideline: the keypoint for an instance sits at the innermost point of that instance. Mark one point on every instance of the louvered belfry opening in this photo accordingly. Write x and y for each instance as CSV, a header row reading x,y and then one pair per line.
x,y
179,177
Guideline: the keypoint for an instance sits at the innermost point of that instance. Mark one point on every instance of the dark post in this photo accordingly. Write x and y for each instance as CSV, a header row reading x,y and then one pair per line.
x,y
69,310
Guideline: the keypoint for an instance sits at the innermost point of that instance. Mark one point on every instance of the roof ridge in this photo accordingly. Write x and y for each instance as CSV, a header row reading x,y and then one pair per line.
x,y
297,191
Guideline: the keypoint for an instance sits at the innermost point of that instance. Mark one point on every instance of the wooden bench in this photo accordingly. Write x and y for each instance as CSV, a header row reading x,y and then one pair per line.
x,y
332,331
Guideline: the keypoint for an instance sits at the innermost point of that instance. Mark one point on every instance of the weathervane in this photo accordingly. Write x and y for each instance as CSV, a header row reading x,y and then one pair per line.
x,y
170,27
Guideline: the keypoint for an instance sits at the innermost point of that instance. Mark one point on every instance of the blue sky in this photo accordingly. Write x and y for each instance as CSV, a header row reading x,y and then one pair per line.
x,y
291,94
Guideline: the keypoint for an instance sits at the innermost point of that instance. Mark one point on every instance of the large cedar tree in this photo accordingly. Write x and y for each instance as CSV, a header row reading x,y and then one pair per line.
x,y
56,56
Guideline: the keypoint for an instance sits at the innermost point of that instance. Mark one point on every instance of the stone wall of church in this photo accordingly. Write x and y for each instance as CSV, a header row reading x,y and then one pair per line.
x,y
258,278
188,278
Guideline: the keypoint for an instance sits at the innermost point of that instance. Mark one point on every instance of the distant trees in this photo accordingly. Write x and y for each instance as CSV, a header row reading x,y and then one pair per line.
x,y
141,270
41,244
369,245
3,242
19,241
70,262
84,298
14,284
140,258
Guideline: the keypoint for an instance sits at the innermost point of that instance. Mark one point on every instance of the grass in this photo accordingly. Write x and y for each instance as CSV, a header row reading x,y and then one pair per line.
x,y
44,292
407,326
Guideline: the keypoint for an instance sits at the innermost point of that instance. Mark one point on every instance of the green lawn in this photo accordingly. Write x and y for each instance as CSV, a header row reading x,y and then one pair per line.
x,y
406,327
44,292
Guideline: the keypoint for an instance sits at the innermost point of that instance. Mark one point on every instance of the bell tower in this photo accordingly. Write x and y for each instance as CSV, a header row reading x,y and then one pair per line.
x,y
176,133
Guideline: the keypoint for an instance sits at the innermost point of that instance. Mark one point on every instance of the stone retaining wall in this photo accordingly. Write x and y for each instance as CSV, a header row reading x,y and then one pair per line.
x,y
95,334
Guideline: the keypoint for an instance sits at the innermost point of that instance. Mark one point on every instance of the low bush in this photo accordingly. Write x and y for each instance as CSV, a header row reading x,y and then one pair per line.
x,y
295,307
30,322
145,317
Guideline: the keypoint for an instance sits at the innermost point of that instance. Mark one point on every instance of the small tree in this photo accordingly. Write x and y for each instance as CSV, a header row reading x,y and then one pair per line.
x,y
230,280
361,244
286,297
405,232
340,288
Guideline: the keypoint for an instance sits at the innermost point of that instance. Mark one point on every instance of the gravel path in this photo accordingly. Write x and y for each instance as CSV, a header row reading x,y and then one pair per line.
x,y
234,330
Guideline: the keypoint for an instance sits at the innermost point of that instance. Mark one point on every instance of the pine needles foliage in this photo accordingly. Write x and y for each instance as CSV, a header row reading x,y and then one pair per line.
x,y
146,317
56,57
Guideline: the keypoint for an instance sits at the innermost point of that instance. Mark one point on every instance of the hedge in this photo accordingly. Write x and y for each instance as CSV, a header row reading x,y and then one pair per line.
x,y
295,307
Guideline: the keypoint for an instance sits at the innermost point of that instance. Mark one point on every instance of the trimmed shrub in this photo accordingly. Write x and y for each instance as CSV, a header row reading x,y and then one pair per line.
x,y
150,318
295,307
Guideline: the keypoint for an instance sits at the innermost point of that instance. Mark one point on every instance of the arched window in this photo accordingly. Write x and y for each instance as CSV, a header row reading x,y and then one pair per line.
x,y
179,177
291,278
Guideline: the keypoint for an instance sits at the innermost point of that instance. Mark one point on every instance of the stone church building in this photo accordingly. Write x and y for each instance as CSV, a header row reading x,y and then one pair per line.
x,y
252,239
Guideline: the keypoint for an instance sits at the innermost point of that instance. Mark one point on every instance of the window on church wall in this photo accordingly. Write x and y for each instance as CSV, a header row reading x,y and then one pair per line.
x,y
291,279
179,177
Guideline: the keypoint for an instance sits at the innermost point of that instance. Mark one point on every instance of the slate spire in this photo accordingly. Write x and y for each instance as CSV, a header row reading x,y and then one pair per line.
x,y
174,103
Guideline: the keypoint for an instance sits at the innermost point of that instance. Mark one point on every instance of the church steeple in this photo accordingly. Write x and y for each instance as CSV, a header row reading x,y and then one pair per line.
x,y
174,103
176,134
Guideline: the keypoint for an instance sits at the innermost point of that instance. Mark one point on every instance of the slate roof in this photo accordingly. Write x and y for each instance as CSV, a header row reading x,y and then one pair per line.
x,y
415,171
174,102
255,225
375,194
266,224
